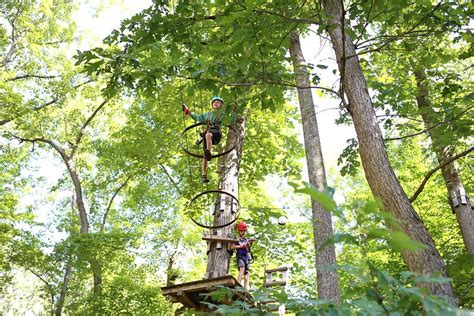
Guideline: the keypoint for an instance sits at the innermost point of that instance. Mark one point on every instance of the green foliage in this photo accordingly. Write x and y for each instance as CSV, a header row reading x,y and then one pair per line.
x,y
462,272
376,291
136,180
124,295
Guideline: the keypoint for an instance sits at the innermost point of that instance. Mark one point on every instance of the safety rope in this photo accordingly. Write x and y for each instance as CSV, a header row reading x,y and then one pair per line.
x,y
186,137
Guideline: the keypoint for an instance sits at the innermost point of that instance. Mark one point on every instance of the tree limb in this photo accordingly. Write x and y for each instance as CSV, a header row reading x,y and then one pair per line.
x,y
86,123
49,286
5,121
432,171
104,218
412,29
431,127
173,182
56,147
26,76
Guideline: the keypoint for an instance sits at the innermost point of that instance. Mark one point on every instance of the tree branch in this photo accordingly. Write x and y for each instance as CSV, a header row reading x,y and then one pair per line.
x,y
250,84
49,286
5,121
104,218
411,30
33,76
56,147
173,182
86,123
431,127
432,171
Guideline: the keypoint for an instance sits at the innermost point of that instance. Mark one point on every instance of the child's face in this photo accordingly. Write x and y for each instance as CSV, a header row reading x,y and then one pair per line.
x,y
242,233
216,104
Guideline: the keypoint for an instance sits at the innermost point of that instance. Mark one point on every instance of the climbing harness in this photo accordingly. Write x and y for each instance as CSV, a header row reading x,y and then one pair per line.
x,y
200,154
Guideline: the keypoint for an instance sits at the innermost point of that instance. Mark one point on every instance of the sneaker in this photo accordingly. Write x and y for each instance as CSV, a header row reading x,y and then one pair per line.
x,y
204,179
207,154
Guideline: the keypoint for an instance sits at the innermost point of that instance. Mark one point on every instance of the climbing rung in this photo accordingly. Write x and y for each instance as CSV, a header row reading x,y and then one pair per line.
x,y
269,282
275,283
217,238
280,269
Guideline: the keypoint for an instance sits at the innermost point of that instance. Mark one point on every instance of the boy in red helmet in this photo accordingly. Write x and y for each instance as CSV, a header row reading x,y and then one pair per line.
x,y
243,253
212,135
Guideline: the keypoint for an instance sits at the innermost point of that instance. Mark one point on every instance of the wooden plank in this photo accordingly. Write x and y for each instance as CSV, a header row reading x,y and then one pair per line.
x,y
217,238
276,270
185,300
275,283
191,293
199,285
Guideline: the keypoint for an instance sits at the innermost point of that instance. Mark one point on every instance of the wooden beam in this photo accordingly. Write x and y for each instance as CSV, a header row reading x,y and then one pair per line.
x,y
275,283
276,270
217,238
185,300
200,285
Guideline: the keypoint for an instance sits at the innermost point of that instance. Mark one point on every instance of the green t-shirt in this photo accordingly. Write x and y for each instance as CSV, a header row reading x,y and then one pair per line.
x,y
214,117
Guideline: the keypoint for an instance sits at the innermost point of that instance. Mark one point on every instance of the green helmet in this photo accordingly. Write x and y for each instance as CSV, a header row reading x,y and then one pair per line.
x,y
214,98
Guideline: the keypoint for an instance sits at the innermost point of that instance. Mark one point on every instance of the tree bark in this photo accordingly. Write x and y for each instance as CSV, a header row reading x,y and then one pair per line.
x,y
62,296
327,280
378,171
452,180
229,168
94,263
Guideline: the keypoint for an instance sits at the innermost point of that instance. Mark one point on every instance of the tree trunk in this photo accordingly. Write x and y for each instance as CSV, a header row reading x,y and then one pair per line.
x,y
229,167
378,172
171,273
327,280
451,177
94,263
62,296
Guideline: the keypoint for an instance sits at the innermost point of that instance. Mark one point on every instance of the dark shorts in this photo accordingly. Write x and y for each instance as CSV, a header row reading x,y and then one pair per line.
x,y
244,262
216,137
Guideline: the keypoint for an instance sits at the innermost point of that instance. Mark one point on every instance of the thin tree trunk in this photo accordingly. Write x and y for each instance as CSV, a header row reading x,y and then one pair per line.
x,y
229,168
94,263
378,171
327,279
451,177
62,296
171,275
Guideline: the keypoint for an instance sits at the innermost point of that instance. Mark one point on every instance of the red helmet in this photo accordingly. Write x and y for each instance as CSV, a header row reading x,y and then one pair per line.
x,y
242,226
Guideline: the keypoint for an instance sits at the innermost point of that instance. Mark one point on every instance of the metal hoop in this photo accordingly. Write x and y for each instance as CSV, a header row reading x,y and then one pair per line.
x,y
232,128
220,192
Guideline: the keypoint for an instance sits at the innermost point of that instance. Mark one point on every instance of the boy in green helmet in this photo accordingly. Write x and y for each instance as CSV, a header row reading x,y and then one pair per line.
x,y
212,135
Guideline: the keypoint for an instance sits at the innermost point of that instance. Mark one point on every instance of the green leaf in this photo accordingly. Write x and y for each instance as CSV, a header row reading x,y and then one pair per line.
x,y
323,198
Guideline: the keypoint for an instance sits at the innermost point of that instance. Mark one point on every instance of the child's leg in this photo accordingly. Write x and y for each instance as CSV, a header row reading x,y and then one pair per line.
x,y
208,140
246,281
204,167
241,274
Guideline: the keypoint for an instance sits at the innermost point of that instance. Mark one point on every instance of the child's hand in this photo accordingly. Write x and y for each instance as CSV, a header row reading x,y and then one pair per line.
x,y
186,110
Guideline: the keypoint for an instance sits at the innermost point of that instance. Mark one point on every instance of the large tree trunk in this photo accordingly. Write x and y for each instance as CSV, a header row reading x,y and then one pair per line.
x,y
229,167
452,180
378,171
327,280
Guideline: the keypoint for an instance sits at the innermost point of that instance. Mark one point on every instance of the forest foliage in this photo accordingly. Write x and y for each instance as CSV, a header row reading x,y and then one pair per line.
x,y
110,117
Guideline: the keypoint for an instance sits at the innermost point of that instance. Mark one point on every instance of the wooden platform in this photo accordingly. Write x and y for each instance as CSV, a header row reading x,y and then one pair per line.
x,y
191,294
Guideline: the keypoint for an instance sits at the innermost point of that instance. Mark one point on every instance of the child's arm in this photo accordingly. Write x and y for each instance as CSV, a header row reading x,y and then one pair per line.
x,y
186,110
239,246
